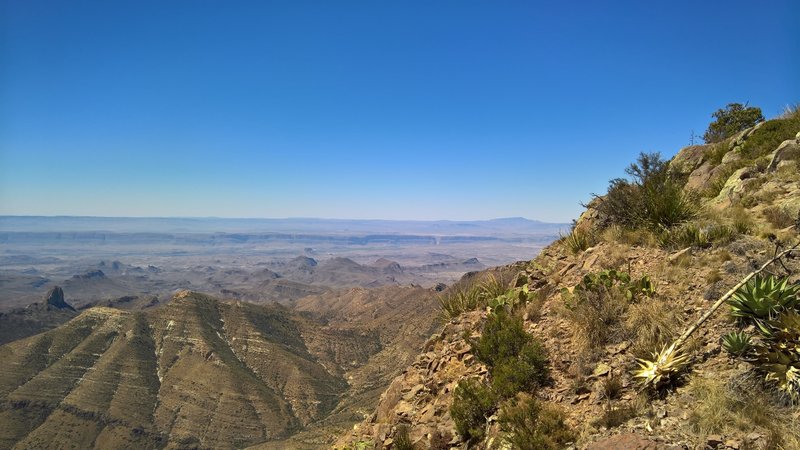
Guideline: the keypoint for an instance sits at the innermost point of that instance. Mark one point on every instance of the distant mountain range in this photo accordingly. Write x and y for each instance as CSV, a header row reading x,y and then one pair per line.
x,y
515,225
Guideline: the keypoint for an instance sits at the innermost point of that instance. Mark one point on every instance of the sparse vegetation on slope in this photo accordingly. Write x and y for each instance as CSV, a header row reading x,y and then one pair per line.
x,y
636,282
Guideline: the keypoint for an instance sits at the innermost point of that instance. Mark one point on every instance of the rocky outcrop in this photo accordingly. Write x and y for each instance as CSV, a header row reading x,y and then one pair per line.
x,y
788,150
55,299
421,396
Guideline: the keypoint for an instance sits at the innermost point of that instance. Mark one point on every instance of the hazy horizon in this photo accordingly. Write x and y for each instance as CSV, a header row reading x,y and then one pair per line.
x,y
488,219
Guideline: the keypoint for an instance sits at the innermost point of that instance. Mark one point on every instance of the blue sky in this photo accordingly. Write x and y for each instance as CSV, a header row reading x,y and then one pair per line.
x,y
365,109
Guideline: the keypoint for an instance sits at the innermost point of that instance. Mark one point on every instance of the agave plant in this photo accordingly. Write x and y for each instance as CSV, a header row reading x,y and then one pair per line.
x,y
664,365
763,298
782,366
777,353
737,343
784,329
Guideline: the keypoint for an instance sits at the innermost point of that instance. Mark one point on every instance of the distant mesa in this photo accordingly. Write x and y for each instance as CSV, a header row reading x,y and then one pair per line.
x,y
472,261
341,262
90,275
55,298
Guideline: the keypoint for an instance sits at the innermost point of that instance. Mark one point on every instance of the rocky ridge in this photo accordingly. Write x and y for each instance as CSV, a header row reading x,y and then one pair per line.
x,y
687,281
200,373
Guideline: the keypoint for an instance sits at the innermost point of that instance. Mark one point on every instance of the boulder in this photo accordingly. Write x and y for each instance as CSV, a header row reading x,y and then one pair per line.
x,y
700,177
788,150
736,185
689,159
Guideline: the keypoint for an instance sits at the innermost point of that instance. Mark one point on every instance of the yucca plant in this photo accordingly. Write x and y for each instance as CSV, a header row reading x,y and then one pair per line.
x,y
763,298
664,365
737,343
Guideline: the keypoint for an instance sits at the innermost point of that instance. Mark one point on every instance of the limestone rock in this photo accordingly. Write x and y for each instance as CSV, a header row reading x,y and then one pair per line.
x,y
787,150
689,159
736,185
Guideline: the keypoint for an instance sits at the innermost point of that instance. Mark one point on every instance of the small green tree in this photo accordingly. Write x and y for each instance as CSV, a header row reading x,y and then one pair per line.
x,y
731,120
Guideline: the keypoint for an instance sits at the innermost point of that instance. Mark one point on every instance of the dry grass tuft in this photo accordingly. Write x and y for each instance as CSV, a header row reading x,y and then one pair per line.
x,y
779,217
596,319
740,408
651,324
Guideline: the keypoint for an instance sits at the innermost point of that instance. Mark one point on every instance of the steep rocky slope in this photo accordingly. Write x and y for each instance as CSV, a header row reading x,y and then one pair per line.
x,y
196,372
748,189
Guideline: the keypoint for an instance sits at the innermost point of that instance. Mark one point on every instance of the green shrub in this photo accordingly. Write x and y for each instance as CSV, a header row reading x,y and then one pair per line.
x,y
526,372
770,135
472,404
731,120
503,338
531,425
652,198
491,286
477,294
700,235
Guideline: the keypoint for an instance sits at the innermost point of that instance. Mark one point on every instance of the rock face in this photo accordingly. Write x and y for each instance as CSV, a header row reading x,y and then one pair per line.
x,y
55,298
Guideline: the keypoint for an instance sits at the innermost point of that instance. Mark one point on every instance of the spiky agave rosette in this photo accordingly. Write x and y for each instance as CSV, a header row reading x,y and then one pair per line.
x,y
663,366
778,353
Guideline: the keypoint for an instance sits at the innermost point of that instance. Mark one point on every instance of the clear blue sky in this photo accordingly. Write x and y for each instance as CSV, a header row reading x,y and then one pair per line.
x,y
365,109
